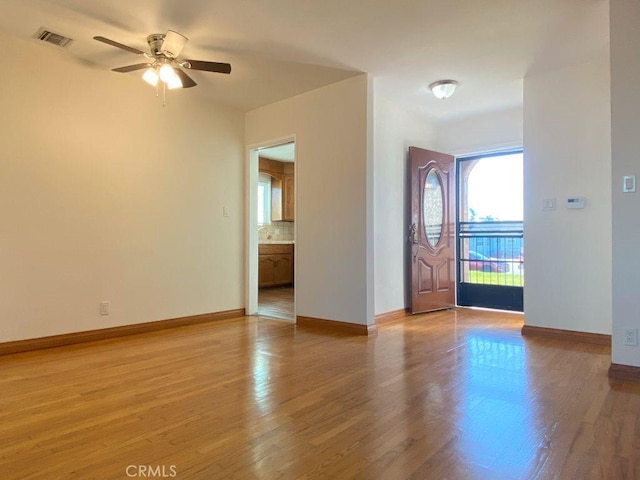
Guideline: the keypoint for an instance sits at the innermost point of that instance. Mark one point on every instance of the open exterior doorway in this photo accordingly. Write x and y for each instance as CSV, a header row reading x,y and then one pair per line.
x,y
272,231
490,231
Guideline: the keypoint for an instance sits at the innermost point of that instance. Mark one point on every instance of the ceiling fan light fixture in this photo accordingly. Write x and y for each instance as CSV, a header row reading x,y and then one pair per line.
x,y
173,43
174,82
167,73
443,89
151,77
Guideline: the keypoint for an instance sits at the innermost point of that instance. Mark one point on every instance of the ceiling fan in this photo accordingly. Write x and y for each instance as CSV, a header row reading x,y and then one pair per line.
x,y
163,62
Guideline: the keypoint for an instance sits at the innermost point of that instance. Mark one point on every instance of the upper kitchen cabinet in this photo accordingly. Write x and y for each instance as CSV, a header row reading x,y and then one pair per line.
x,y
288,196
282,189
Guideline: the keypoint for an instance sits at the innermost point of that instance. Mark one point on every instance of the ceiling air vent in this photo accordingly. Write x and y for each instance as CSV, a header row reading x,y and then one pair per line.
x,y
54,38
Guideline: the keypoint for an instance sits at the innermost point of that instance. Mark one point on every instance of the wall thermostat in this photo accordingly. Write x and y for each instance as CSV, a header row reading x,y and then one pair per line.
x,y
575,202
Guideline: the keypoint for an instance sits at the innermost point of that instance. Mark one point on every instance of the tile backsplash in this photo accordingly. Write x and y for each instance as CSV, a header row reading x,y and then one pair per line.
x,y
277,231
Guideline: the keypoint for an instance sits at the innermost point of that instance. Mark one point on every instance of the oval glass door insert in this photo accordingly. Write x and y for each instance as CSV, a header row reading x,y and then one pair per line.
x,y
432,207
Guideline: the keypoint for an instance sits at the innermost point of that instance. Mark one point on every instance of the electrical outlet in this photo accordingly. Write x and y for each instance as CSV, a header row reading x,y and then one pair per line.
x,y
631,337
104,308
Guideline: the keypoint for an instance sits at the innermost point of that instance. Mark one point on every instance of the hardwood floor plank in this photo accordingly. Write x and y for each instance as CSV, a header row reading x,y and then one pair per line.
x,y
277,302
452,395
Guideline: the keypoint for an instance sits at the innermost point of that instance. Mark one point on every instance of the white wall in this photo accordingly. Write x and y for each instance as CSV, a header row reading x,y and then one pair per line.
x,y
487,132
567,149
395,130
625,105
334,228
106,195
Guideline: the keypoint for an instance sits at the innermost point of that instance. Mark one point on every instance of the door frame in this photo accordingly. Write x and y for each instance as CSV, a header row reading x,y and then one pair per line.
x,y
507,298
251,209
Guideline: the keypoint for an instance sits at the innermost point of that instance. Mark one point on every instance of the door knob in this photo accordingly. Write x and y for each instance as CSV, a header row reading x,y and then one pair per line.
x,y
413,238
413,233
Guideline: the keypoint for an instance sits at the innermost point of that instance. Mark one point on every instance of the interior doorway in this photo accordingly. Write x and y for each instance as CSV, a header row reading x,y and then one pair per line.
x,y
272,226
490,231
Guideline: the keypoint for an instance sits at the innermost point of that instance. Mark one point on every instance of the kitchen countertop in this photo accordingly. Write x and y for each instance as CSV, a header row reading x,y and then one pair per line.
x,y
276,242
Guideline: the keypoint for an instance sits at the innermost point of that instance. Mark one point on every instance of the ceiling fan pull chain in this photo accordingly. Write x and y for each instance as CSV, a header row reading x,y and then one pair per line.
x,y
164,94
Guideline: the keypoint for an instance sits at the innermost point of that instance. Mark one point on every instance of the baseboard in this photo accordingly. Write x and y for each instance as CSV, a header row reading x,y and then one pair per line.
x,y
624,372
332,325
114,332
570,335
393,316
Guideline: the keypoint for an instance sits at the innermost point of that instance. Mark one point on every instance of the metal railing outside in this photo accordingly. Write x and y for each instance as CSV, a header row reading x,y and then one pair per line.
x,y
491,253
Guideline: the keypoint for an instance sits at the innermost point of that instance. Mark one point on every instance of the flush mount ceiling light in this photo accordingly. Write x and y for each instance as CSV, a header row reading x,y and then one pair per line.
x,y
443,89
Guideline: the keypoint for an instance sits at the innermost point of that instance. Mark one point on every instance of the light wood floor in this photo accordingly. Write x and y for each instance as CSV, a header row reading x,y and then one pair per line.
x,y
453,395
276,302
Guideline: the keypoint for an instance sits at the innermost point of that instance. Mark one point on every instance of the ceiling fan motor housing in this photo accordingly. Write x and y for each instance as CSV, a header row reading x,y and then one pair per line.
x,y
155,41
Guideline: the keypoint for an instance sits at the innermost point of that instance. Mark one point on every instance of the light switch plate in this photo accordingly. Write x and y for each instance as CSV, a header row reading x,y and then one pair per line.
x,y
629,183
548,204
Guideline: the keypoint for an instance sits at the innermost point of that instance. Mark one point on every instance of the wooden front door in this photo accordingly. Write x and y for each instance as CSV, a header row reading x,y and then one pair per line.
x,y
432,230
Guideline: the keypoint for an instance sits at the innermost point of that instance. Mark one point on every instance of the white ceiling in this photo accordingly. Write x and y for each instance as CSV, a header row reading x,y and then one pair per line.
x,y
283,153
280,48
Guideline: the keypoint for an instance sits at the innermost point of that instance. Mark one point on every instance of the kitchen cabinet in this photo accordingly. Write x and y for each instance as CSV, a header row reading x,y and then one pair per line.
x,y
276,199
275,265
271,167
282,189
288,198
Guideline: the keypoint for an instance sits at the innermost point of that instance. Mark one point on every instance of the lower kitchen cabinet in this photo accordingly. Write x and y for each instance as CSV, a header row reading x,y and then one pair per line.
x,y
275,265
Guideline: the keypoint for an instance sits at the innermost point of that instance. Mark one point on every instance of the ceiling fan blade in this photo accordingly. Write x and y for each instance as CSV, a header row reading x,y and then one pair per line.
x,y
119,45
209,66
173,44
187,81
131,68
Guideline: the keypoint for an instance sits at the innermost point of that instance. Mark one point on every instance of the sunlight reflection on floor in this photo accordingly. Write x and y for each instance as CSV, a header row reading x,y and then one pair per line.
x,y
497,422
